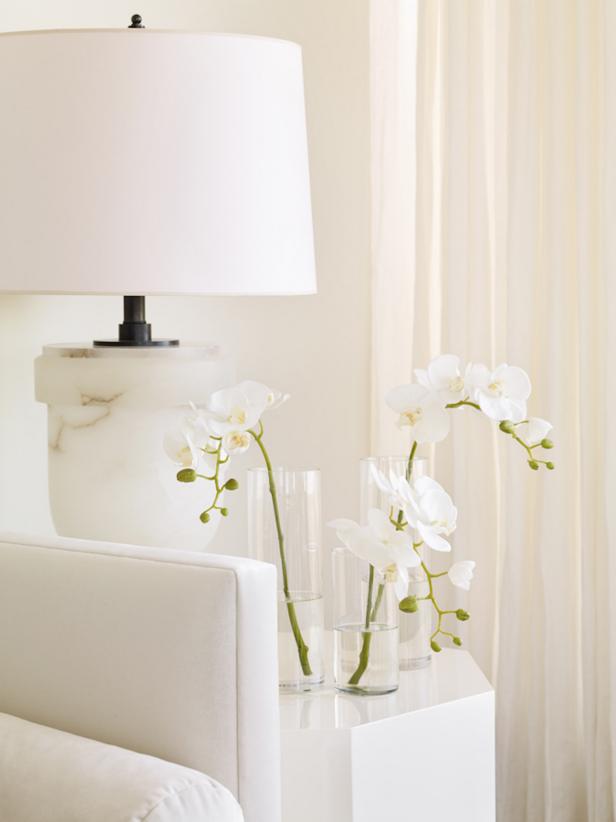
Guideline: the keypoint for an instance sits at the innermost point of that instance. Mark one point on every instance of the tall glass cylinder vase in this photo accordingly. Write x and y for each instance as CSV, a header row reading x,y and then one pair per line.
x,y
285,529
415,628
365,627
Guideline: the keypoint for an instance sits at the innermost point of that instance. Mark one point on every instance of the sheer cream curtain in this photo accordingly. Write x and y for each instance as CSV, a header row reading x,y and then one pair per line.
x,y
494,237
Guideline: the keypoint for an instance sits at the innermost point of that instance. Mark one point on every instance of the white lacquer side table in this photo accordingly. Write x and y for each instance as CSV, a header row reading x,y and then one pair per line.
x,y
425,752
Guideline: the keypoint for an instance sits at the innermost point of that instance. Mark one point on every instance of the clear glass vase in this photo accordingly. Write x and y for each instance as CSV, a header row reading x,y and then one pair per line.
x,y
415,628
365,628
284,517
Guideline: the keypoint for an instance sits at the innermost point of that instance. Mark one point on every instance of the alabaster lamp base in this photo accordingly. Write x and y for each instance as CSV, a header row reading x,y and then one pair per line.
x,y
109,411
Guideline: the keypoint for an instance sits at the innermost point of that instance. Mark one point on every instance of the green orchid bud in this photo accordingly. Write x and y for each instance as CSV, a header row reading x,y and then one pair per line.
x,y
435,647
205,517
549,466
547,443
457,641
462,615
186,475
507,427
408,605
232,484
224,512
534,465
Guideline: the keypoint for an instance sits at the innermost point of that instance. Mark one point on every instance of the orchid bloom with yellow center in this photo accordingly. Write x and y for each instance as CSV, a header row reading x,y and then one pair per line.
x,y
420,409
443,375
502,393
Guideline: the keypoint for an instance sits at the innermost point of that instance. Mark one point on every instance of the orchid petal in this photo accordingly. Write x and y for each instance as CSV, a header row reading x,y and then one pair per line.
x,y
497,408
432,539
421,375
517,410
364,545
443,369
380,480
379,523
236,442
516,383
401,585
432,427
535,430
403,397
461,574
476,376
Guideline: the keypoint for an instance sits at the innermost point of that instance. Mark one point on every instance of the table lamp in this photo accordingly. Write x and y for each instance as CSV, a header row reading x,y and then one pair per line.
x,y
140,162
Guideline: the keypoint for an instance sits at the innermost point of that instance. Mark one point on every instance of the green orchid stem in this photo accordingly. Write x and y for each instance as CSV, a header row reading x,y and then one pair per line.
x,y
377,603
512,434
302,648
460,403
409,464
430,596
215,478
364,654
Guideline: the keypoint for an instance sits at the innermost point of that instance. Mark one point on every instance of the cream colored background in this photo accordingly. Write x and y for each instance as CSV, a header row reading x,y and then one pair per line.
x,y
317,348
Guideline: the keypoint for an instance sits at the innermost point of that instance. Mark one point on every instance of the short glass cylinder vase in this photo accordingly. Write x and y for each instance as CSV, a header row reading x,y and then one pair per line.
x,y
365,628
415,628
285,529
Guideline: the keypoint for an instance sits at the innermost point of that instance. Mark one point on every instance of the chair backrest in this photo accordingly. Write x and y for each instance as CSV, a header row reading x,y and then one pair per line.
x,y
169,653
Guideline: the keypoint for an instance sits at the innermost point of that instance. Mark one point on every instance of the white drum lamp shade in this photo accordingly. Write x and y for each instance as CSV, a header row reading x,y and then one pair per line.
x,y
142,162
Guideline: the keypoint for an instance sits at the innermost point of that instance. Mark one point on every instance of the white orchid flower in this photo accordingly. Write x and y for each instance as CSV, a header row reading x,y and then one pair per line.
x,y
443,375
388,485
180,448
430,511
534,430
461,573
262,395
343,528
501,393
240,408
275,399
236,409
422,410
236,442
428,507
185,445
388,550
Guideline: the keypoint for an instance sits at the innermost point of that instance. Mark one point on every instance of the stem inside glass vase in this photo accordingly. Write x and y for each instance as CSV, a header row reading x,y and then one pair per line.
x,y
364,654
302,648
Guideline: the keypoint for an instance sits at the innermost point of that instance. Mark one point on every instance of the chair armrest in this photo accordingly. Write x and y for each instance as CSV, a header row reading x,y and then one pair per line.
x,y
169,653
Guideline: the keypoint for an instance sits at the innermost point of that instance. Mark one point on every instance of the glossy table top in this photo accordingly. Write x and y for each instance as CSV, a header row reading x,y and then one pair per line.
x,y
452,675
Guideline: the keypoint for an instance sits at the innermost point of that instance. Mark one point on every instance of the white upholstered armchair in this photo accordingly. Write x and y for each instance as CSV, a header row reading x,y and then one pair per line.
x,y
136,685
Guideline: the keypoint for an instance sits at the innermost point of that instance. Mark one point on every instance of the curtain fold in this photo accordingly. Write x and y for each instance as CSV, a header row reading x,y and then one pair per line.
x,y
515,261
393,40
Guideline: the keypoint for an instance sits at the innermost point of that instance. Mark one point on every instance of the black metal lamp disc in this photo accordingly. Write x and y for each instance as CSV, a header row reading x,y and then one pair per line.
x,y
135,331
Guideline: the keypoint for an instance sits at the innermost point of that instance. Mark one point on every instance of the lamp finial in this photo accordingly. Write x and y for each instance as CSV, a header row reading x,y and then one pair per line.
x,y
135,22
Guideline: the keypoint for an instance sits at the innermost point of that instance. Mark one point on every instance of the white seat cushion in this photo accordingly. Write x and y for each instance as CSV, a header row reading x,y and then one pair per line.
x,y
51,776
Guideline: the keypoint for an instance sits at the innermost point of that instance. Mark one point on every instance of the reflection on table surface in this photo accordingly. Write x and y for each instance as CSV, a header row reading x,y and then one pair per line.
x,y
451,675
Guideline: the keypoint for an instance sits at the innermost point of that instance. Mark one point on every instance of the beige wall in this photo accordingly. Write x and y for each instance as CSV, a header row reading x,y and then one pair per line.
x,y
317,348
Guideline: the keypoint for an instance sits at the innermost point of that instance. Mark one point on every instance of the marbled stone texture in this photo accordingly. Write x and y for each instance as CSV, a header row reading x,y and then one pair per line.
x,y
108,413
